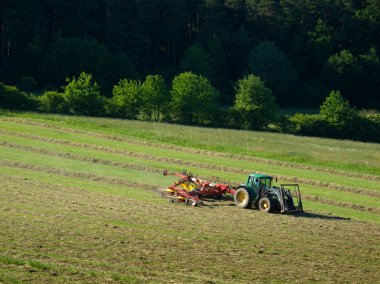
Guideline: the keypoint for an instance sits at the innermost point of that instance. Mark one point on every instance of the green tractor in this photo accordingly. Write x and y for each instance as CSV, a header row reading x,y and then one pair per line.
x,y
259,193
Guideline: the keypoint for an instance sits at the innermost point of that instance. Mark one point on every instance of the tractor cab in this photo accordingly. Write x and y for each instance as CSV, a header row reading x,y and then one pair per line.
x,y
258,182
260,193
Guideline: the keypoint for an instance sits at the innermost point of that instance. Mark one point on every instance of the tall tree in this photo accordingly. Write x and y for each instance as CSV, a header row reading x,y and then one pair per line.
x,y
271,64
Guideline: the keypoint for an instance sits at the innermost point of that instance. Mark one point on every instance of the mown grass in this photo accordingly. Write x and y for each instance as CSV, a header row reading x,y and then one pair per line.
x,y
86,215
338,154
155,178
239,164
95,237
75,183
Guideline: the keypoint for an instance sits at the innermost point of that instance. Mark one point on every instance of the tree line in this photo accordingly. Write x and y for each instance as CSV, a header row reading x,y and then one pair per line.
x,y
301,50
191,99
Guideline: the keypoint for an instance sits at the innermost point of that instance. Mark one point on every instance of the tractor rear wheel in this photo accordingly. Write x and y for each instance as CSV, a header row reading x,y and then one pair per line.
x,y
243,197
266,205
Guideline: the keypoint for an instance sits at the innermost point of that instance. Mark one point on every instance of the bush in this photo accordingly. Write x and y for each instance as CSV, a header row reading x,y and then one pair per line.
x,y
13,98
127,99
194,99
155,95
360,128
52,101
254,103
337,111
364,129
309,125
83,96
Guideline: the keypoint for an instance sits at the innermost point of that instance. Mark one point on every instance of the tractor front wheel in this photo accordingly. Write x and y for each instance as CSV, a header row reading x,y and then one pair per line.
x,y
266,205
243,198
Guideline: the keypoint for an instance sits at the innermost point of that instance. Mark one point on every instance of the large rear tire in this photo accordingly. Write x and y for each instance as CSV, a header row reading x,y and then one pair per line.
x,y
243,197
266,205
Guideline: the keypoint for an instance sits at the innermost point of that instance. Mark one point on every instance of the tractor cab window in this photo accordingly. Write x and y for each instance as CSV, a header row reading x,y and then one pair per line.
x,y
266,182
250,181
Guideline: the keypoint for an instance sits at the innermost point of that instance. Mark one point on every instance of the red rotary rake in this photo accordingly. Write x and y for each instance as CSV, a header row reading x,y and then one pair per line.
x,y
190,190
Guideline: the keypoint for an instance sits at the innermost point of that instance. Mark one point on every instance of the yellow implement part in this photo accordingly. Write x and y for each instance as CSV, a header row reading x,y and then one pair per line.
x,y
187,186
178,197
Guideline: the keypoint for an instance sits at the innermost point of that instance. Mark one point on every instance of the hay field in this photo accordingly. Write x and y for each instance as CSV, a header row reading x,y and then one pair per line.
x,y
79,203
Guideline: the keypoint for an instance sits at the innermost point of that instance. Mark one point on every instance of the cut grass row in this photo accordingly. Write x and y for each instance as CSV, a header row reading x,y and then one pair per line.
x,y
89,156
100,236
155,163
88,215
216,161
115,160
48,165
341,155
112,159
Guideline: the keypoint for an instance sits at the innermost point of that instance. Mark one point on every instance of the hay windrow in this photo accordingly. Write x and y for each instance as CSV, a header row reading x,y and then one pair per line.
x,y
191,150
168,160
78,175
124,182
341,204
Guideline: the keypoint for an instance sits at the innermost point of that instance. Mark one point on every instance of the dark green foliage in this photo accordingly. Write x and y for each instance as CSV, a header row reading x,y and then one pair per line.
x,y
300,49
55,102
196,60
337,119
27,84
68,57
320,46
127,99
13,98
83,96
355,76
112,68
255,103
194,99
272,65
309,125
52,40
360,128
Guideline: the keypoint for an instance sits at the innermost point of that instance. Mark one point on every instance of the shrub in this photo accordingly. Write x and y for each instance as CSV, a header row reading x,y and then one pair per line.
x,y
13,98
309,124
83,96
155,95
194,99
337,111
127,99
255,103
52,101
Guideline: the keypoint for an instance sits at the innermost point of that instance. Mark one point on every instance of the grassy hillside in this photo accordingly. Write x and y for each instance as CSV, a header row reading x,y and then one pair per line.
x,y
79,202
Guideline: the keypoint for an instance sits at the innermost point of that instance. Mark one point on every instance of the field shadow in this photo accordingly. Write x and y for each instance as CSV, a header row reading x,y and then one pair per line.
x,y
319,216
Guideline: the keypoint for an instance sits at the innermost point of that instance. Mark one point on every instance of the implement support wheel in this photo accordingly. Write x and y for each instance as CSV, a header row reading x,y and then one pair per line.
x,y
243,198
266,205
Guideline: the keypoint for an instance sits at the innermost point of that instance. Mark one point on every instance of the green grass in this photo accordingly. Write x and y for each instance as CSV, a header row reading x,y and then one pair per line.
x,y
239,164
337,154
90,212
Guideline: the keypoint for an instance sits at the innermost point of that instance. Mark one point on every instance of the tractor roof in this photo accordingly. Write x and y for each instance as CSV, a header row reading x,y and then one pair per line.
x,y
260,176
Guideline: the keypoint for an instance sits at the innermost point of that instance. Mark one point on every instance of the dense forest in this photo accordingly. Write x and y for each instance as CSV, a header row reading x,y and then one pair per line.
x,y
302,50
